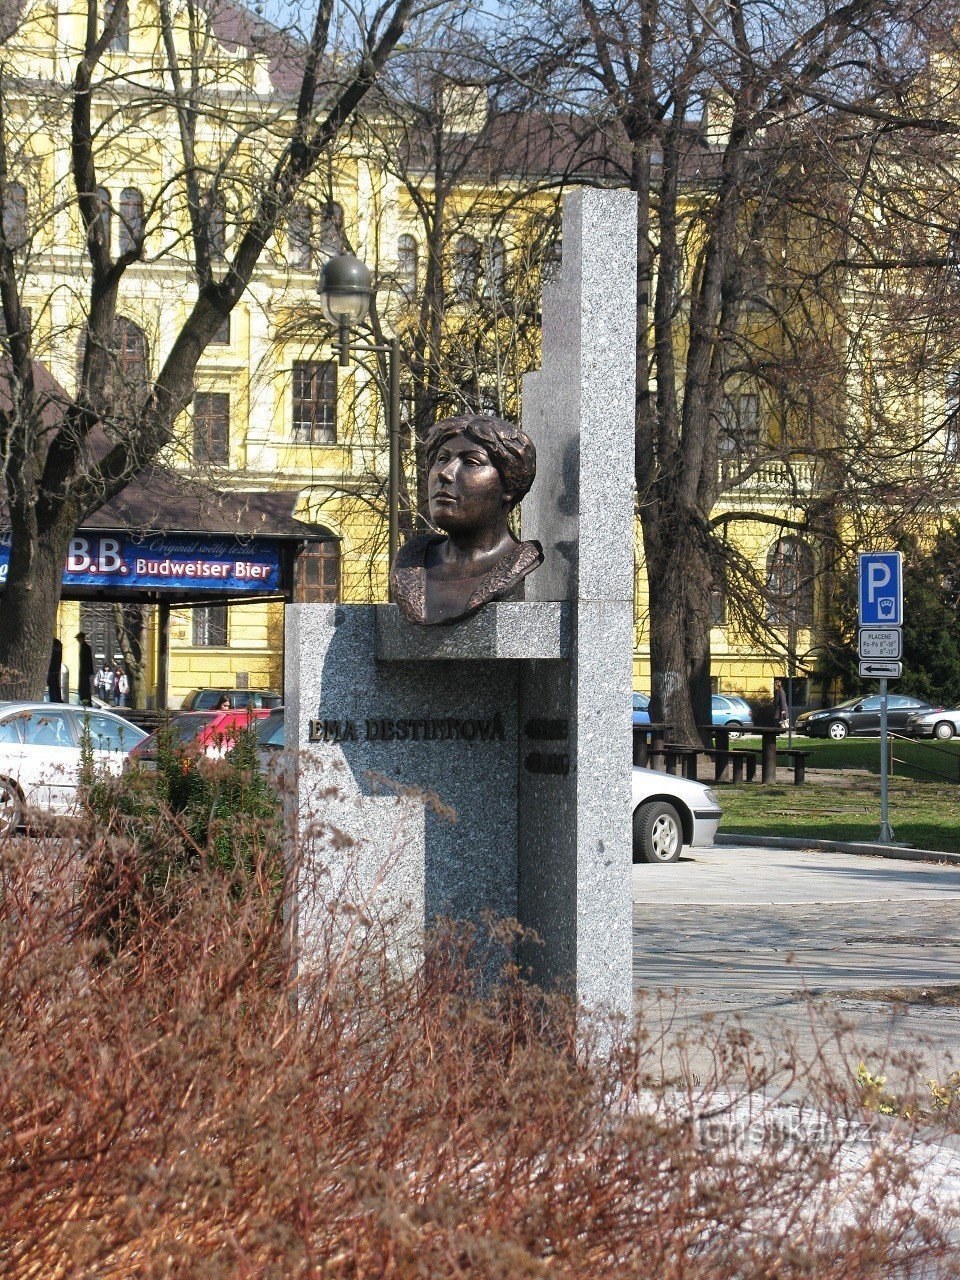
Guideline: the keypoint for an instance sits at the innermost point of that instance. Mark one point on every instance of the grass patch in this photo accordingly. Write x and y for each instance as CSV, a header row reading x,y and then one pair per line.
x,y
921,759
922,814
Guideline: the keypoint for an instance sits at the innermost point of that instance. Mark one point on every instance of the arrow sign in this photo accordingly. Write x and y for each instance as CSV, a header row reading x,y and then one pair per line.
x,y
874,670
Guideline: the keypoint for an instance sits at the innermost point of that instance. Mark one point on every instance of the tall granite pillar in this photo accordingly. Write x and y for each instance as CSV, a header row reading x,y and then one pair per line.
x,y
575,827
485,765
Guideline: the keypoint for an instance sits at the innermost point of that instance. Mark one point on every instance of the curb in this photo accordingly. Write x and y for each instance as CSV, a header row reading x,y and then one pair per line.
x,y
902,852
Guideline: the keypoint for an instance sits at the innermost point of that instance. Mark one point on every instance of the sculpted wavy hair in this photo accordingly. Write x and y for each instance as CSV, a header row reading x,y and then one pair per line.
x,y
509,448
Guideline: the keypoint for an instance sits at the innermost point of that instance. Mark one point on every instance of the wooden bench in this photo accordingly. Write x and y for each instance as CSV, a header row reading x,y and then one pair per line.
x,y
741,761
798,759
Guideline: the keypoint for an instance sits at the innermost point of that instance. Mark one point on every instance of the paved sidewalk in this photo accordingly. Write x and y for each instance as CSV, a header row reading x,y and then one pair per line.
x,y
754,932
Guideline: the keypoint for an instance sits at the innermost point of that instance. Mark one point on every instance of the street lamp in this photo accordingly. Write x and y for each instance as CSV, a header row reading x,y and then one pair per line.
x,y
346,291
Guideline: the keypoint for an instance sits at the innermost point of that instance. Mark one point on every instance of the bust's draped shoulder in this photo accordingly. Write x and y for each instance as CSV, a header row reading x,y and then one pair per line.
x,y
503,581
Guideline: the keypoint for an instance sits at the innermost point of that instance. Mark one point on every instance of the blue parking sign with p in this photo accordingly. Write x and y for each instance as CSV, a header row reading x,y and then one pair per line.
x,y
881,589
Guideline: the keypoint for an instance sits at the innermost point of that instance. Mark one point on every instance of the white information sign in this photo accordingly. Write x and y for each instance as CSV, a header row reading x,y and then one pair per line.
x,y
881,642
874,669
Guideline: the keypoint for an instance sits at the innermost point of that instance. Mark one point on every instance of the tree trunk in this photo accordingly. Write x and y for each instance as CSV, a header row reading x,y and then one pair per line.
x,y
130,622
29,613
679,584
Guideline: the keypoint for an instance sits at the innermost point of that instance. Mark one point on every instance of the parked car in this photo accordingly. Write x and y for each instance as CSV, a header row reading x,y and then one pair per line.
x,y
733,712
208,699
859,716
939,722
641,709
40,754
669,813
210,733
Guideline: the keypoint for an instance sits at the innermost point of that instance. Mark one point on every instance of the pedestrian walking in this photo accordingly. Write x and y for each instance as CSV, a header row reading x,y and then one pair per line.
x,y
99,683
109,682
54,684
122,687
781,708
84,671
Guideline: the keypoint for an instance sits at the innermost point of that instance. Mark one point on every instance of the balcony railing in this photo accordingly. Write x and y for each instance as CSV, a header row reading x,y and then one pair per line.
x,y
776,476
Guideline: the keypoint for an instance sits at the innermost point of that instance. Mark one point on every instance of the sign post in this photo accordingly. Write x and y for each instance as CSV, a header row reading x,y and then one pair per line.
x,y
881,648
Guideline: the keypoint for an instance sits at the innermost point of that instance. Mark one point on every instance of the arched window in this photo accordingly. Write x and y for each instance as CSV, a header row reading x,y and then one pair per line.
x,y
120,40
106,214
790,583
300,238
127,379
331,231
132,220
15,229
495,267
466,268
317,573
408,256
217,229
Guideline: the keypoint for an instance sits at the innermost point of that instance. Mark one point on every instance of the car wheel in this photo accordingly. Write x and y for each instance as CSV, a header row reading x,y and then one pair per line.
x,y
943,729
735,728
11,806
657,832
837,730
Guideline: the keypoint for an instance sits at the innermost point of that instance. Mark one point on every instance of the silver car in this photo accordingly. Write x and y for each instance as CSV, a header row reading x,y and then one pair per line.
x,y
936,723
670,812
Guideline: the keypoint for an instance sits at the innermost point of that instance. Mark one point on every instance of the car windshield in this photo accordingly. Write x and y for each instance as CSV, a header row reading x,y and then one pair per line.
x,y
850,702
270,730
185,728
640,702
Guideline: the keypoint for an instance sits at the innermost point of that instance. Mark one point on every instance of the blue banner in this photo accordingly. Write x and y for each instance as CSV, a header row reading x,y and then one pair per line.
x,y
164,563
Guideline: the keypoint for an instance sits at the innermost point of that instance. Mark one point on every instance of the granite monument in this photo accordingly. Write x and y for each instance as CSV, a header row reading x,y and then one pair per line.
x,y
484,764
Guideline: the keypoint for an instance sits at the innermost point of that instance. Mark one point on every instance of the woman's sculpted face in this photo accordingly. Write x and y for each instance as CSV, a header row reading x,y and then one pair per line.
x,y
464,488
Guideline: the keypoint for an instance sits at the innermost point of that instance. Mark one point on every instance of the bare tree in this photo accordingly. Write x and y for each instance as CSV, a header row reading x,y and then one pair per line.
x,y
249,134
748,132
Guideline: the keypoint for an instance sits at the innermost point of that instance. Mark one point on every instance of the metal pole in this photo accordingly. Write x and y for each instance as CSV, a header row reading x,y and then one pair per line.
x,y
393,425
886,831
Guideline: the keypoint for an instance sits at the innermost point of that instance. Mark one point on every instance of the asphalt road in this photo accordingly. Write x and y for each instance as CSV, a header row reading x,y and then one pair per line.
x,y
791,943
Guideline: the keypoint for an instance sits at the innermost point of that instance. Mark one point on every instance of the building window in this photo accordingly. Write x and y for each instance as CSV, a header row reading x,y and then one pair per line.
x,y
132,220
128,377
106,214
739,426
15,229
217,229
408,255
315,401
210,626
718,608
495,267
331,231
790,583
466,268
300,238
951,425
26,323
120,40
317,576
222,336
211,427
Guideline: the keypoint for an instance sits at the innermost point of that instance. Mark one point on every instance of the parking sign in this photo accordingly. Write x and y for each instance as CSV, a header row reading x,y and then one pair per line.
x,y
881,589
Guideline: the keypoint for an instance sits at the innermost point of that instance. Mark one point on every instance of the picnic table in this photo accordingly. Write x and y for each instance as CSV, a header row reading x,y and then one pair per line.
x,y
649,741
719,734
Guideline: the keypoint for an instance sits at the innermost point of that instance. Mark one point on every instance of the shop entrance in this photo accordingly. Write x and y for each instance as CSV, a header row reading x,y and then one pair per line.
x,y
98,620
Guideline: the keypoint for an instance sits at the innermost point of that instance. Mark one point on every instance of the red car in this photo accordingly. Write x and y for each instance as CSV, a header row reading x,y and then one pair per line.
x,y
210,733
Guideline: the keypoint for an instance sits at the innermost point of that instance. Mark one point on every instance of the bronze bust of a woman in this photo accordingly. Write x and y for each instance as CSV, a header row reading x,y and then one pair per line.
x,y
480,468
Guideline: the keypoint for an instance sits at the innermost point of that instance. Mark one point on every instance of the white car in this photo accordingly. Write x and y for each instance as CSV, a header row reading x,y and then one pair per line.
x,y
670,812
40,754
938,723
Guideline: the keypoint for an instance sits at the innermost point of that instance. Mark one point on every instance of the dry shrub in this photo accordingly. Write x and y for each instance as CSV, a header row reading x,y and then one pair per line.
x,y
177,1109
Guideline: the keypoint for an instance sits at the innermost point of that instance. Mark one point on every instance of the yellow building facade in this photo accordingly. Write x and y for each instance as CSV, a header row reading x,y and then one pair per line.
x,y
273,410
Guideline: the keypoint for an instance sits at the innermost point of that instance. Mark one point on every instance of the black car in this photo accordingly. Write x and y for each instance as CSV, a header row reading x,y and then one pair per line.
x,y
209,699
859,716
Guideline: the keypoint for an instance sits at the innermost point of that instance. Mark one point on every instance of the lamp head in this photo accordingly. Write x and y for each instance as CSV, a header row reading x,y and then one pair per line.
x,y
345,290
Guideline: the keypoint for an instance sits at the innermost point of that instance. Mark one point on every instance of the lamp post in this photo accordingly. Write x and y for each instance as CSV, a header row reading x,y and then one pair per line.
x,y
346,290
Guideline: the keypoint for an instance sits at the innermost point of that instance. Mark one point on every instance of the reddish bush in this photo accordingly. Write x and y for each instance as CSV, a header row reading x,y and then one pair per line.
x,y
178,1109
